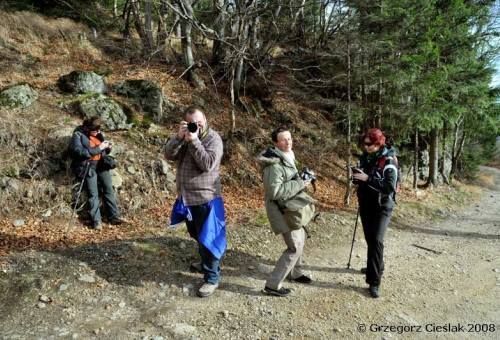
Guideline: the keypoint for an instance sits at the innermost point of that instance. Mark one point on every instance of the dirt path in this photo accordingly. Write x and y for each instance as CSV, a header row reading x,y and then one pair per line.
x,y
140,289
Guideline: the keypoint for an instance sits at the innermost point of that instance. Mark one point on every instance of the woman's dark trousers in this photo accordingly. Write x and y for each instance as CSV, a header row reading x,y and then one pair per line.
x,y
375,220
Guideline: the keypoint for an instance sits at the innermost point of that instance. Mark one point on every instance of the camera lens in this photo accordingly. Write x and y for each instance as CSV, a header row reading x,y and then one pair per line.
x,y
192,127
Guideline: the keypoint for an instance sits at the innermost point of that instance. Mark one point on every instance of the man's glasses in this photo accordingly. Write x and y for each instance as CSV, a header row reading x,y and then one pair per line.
x,y
368,144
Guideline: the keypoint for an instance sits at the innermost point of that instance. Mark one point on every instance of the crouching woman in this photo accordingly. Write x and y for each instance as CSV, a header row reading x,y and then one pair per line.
x,y
87,150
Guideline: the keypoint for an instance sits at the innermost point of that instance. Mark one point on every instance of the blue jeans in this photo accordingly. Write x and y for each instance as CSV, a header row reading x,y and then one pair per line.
x,y
209,263
95,180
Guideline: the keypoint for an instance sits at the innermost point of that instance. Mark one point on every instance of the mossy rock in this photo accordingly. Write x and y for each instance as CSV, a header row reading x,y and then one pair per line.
x,y
82,82
21,95
112,114
148,95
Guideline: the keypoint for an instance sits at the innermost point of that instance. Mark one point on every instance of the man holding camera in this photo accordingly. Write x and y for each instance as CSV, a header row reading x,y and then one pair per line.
x,y
198,152
289,209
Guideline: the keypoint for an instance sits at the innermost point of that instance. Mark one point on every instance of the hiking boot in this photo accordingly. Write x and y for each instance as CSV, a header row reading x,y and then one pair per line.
x,y
196,267
207,289
118,221
374,291
303,279
279,292
97,226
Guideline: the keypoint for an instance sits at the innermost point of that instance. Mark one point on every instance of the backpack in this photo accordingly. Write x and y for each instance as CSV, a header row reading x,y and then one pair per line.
x,y
381,165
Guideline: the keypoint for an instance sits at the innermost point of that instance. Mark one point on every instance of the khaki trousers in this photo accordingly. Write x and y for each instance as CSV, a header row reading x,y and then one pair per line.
x,y
289,264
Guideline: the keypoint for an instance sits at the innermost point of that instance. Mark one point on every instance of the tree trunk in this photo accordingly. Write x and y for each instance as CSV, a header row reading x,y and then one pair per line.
x,y
271,33
254,35
457,147
415,160
177,22
162,35
115,8
218,49
240,62
347,196
378,119
141,28
187,45
297,24
148,27
126,30
238,76
433,158
233,105
443,154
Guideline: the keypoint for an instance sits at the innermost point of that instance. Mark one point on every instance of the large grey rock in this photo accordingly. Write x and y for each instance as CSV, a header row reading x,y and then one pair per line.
x,y
10,184
82,82
116,179
148,95
111,112
21,95
55,146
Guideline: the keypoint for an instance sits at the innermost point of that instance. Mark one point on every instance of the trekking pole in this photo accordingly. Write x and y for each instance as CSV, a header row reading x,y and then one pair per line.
x,y
78,194
353,237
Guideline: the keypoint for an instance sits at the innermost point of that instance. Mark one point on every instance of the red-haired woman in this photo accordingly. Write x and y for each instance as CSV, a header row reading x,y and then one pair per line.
x,y
377,181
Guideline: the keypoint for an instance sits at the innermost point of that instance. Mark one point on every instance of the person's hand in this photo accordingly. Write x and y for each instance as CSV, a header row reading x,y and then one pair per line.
x,y
104,145
182,130
191,136
360,176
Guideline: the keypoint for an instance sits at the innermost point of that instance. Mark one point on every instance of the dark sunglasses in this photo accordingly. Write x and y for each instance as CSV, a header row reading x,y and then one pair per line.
x,y
368,144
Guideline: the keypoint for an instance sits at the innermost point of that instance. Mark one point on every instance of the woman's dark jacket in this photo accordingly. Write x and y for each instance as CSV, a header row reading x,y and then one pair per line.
x,y
380,188
80,150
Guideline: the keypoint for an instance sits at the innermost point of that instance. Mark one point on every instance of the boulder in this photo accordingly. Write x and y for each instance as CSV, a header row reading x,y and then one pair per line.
x,y
116,179
10,184
112,114
21,95
148,95
82,82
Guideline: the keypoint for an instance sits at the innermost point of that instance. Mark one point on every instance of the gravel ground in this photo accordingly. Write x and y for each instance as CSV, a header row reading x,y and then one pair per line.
x,y
442,281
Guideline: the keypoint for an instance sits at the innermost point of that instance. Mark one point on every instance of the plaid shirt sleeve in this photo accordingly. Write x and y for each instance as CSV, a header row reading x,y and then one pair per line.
x,y
172,148
208,156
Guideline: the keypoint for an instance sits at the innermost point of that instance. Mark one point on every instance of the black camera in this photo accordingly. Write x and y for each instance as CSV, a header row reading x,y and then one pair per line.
x,y
355,170
308,175
192,127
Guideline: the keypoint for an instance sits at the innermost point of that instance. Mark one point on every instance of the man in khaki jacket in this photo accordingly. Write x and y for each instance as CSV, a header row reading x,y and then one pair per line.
x,y
288,208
